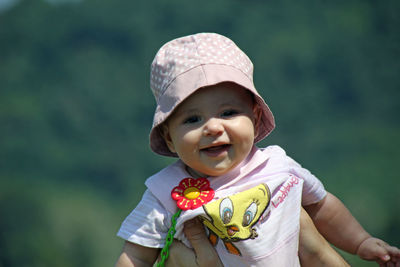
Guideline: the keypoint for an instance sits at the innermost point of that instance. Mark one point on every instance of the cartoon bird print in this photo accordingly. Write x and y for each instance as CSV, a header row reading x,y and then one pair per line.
x,y
233,217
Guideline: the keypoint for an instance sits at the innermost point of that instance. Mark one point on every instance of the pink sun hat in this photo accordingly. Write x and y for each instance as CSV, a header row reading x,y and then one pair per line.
x,y
186,64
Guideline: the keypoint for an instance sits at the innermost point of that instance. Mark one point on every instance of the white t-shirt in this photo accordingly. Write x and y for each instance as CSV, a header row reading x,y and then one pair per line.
x,y
270,240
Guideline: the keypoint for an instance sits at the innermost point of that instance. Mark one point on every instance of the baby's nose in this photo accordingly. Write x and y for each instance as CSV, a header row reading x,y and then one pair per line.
x,y
213,127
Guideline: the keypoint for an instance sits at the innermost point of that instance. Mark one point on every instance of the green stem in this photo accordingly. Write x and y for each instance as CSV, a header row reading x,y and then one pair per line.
x,y
169,239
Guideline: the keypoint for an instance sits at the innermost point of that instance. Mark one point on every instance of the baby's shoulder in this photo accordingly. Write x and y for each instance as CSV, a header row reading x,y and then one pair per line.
x,y
276,157
274,150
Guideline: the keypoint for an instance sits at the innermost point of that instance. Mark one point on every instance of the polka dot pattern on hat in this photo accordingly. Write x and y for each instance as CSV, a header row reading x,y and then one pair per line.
x,y
183,54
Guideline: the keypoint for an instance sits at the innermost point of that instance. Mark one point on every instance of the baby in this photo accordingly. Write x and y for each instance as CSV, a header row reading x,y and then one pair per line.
x,y
210,116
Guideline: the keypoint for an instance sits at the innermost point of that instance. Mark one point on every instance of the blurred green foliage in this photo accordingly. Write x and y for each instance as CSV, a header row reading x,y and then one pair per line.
x,y
76,109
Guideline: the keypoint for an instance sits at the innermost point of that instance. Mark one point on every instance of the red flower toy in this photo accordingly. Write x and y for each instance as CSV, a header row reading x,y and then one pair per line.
x,y
190,194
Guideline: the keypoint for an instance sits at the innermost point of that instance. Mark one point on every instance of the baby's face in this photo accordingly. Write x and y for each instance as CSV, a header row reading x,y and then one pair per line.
x,y
213,130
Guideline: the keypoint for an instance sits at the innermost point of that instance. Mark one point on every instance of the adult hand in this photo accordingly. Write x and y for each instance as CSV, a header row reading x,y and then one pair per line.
x,y
203,253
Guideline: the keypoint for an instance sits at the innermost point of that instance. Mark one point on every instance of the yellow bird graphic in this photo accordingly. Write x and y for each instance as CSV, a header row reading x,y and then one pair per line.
x,y
232,217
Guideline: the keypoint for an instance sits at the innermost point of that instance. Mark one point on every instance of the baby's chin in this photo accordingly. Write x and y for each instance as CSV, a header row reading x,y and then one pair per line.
x,y
209,172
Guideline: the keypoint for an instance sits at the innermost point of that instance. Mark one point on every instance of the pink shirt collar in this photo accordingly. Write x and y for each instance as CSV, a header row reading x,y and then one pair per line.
x,y
162,182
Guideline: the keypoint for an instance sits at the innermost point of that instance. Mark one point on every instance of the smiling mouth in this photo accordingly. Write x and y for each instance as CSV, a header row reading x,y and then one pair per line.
x,y
216,150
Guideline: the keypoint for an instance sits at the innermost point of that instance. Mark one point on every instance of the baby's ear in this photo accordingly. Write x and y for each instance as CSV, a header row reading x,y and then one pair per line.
x,y
167,137
257,111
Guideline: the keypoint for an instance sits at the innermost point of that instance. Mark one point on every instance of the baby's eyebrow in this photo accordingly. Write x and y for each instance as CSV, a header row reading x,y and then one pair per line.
x,y
187,111
230,104
184,112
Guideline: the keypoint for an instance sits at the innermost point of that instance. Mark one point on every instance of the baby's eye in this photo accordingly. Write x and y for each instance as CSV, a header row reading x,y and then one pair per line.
x,y
192,119
229,113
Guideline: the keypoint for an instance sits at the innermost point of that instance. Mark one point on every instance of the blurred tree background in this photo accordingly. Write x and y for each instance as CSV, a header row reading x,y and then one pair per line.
x,y
76,109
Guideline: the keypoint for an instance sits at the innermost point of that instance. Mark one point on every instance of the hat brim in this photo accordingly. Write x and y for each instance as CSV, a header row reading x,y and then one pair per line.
x,y
192,80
